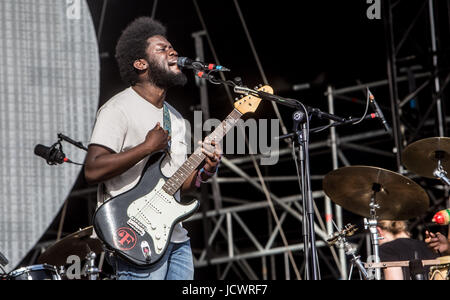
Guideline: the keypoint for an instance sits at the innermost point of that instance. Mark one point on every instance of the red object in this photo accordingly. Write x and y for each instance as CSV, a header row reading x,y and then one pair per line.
x,y
442,217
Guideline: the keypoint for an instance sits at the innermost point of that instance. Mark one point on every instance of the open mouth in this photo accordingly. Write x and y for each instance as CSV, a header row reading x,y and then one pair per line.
x,y
172,63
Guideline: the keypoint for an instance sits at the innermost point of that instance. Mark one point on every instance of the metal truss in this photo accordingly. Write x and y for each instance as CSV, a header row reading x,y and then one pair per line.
x,y
237,248
236,255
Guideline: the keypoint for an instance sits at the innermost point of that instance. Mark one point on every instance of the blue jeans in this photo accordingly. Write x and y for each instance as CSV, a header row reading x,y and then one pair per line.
x,y
176,264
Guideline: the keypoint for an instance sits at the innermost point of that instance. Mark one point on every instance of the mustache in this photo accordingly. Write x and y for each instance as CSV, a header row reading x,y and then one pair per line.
x,y
164,78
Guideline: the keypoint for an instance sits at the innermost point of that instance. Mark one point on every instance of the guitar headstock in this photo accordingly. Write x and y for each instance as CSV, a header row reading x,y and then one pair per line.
x,y
250,103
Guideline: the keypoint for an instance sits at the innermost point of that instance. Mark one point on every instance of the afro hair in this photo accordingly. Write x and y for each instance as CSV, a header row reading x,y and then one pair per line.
x,y
132,45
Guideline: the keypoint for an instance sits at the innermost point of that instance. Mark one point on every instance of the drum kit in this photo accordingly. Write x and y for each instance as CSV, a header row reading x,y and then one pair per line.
x,y
79,246
379,194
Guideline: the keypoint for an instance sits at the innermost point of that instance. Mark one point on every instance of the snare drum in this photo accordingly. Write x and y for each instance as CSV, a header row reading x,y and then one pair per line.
x,y
36,272
441,271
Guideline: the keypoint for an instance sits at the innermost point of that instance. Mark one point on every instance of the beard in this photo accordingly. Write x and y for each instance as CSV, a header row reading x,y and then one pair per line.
x,y
164,78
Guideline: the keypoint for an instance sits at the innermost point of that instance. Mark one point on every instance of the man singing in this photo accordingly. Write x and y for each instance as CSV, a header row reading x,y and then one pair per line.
x,y
138,122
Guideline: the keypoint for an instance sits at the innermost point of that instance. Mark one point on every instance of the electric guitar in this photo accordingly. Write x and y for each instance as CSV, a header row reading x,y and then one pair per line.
x,y
138,224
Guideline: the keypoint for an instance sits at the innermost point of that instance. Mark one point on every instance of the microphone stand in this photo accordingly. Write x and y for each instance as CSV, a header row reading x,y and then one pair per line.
x,y
348,121
301,116
69,140
309,240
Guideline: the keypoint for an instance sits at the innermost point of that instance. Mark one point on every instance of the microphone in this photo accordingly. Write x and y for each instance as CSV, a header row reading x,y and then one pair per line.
x,y
188,63
51,154
377,109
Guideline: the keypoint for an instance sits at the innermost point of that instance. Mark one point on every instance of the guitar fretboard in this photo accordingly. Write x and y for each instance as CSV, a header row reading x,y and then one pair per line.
x,y
176,181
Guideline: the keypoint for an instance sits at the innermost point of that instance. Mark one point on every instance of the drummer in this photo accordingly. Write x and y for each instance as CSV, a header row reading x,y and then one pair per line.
x,y
397,245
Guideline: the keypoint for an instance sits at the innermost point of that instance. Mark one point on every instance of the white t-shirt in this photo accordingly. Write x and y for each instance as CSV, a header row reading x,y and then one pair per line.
x,y
121,124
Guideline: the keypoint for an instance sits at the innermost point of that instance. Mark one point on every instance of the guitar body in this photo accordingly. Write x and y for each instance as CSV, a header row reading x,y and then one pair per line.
x,y
138,224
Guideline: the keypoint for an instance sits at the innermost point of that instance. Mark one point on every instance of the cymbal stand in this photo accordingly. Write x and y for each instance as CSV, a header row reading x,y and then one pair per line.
x,y
91,270
439,172
339,239
371,224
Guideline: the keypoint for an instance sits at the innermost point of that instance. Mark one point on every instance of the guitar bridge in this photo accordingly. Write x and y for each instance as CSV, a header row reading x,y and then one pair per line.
x,y
136,225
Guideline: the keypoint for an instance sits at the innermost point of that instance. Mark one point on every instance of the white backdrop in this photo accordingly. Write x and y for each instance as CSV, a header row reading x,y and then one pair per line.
x,y
49,84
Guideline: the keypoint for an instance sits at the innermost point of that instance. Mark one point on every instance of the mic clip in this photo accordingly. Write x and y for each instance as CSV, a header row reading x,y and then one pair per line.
x,y
56,155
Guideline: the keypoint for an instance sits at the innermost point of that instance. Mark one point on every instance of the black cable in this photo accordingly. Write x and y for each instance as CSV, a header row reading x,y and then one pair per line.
x,y
357,122
367,108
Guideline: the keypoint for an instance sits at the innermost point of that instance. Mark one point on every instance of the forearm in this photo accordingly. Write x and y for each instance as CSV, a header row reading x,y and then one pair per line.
x,y
190,184
108,165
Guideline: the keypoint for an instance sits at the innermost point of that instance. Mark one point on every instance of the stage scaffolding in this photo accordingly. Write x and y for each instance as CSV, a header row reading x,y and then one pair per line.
x,y
426,80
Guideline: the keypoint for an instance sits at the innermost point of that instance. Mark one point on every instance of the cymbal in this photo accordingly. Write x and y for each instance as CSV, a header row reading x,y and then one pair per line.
x,y
421,157
399,197
79,243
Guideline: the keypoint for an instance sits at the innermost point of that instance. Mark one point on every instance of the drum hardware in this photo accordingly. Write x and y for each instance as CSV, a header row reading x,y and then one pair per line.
x,y
91,270
339,240
80,244
440,173
439,269
375,193
35,272
398,264
62,271
429,158
416,270
371,224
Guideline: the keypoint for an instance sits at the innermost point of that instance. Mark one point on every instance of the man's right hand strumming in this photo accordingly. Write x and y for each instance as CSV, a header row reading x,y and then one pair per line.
x,y
157,139
103,164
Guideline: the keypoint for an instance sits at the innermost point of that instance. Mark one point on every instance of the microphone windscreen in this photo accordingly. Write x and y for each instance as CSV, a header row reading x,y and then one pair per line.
x,y
184,62
42,151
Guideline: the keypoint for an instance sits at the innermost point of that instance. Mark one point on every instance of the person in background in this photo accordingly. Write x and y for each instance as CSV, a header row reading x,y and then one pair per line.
x,y
397,245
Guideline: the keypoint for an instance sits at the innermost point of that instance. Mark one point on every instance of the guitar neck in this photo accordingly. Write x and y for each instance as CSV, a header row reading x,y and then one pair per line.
x,y
191,164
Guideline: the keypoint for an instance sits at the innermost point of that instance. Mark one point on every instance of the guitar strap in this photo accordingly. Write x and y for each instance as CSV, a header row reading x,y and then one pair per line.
x,y
166,122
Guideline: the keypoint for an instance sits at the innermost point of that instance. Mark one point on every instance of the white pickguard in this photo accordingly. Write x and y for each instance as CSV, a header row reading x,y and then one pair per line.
x,y
155,213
